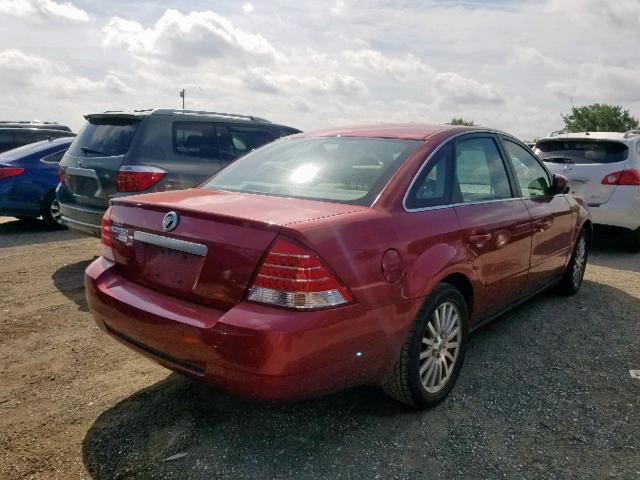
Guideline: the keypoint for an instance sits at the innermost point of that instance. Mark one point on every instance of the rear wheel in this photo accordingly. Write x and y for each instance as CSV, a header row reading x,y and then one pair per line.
x,y
432,356
574,274
51,212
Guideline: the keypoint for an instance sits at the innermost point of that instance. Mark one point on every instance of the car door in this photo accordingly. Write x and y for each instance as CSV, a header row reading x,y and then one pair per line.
x,y
551,215
495,224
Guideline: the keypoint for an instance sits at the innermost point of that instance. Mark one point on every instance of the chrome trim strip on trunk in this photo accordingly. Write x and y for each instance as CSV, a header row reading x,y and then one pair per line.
x,y
171,243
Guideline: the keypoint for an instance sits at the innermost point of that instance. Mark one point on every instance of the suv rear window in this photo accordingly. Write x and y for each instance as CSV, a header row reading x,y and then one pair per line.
x,y
104,138
582,151
339,169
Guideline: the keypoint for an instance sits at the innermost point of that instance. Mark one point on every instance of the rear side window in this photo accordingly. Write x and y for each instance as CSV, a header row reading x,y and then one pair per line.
x,y
340,169
236,141
104,138
480,172
196,139
55,157
433,185
582,151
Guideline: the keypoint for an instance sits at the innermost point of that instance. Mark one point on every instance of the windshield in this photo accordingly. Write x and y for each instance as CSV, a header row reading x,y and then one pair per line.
x,y
104,138
339,169
582,151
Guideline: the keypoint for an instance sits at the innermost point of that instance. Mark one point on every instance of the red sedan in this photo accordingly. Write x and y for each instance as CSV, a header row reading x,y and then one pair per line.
x,y
361,256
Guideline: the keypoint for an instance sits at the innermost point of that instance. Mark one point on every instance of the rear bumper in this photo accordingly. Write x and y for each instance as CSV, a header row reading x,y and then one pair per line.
x,y
82,219
622,209
251,350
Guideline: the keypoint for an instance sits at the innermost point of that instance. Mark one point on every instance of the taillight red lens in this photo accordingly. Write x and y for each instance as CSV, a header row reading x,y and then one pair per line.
x,y
623,177
137,179
294,277
7,172
105,235
60,175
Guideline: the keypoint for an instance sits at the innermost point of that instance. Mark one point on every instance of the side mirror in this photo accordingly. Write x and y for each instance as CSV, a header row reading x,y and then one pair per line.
x,y
560,185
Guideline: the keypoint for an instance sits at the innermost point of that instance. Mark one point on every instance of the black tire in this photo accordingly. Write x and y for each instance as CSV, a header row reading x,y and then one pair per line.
x,y
574,273
50,212
406,384
633,241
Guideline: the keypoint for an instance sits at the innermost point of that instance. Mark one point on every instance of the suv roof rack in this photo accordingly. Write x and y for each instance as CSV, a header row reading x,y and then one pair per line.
x,y
555,133
172,111
207,113
632,133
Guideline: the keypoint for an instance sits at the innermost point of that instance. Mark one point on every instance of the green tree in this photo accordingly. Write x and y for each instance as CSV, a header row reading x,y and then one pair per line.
x,y
600,117
463,122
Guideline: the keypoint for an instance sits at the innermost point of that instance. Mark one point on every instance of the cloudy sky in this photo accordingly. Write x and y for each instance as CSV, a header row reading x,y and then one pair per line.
x,y
509,64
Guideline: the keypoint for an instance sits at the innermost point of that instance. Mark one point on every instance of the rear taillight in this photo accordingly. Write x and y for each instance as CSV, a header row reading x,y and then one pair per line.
x,y
60,175
294,277
137,179
7,172
623,177
105,235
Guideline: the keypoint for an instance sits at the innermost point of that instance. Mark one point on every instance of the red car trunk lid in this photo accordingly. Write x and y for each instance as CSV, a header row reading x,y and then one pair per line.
x,y
211,255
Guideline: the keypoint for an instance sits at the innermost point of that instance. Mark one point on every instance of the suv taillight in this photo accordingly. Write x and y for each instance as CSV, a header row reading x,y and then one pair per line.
x,y
623,177
60,175
138,178
294,277
6,172
105,235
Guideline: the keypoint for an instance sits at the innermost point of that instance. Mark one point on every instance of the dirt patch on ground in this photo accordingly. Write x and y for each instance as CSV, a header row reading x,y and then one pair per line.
x,y
545,392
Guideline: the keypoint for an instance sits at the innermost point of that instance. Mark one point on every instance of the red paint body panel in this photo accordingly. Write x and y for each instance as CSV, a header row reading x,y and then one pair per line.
x,y
190,313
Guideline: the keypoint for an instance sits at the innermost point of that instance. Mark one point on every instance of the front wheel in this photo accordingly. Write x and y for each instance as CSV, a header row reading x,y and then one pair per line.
x,y
432,356
51,212
574,274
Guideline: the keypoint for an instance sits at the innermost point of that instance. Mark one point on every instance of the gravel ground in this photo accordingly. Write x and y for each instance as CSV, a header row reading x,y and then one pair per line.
x,y
545,393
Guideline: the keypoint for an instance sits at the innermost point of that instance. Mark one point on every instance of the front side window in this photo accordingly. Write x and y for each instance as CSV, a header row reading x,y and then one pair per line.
x,y
433,185
350,170
532,177
480,172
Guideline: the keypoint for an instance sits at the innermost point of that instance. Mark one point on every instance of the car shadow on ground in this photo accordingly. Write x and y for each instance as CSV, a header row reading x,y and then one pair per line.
x,y
610,250
525,374
14,232
69,280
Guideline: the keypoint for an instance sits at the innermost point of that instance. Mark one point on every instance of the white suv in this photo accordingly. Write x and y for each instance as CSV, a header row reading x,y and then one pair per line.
x,y
604,169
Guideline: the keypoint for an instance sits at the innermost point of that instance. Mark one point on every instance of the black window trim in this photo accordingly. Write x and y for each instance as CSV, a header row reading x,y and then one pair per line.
x,y
428,165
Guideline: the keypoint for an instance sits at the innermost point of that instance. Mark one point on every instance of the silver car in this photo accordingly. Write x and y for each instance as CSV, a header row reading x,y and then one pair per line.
x,y
604,169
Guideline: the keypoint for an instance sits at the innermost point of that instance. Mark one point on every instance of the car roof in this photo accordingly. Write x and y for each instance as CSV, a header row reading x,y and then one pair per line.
x,y
33,124
403,131
31,148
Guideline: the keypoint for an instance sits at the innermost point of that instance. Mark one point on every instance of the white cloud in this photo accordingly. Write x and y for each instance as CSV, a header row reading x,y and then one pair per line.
x,y
187,39
43,10
458,89
513,66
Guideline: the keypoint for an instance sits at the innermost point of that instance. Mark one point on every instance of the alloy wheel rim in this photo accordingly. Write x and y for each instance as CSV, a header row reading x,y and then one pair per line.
x,y
55,211
579,261
440,347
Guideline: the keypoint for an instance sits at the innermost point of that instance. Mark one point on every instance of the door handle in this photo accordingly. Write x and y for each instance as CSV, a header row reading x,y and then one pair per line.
x,y
479,239
542,225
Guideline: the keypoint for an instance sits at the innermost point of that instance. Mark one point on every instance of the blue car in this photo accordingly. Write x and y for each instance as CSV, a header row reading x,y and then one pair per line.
x,y
28,180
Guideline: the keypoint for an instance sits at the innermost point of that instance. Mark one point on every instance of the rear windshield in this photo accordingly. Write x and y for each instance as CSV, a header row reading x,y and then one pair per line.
x,y
104,138
339,169
582,151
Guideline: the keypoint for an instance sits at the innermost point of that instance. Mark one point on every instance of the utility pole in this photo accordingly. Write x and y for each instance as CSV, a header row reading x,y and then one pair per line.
x,y
182,95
